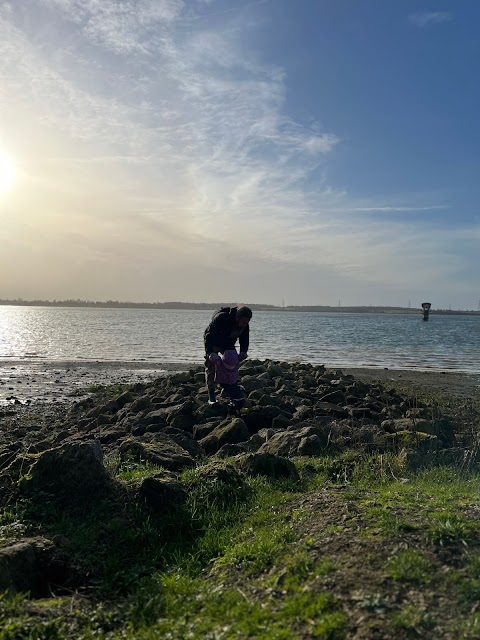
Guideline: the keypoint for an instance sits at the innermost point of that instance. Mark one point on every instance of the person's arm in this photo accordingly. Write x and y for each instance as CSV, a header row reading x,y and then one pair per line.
x,y
214,357
244,340
242,356
216,328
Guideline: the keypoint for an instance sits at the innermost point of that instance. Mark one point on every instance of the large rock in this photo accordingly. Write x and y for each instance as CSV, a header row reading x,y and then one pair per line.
x,y
220,472
73,471
163,492
266,464
208,412
123,399
441,428
230,450
255,383
308,441
202,430
160,450
260,417
33,566
327,408
230,432
140,404
254,443
184,441
19,570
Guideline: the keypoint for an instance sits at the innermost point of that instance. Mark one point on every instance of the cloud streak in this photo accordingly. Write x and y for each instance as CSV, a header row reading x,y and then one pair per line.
x,y
159,144
424,19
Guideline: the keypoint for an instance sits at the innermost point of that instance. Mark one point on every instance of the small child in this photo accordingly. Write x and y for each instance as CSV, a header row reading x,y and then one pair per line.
x,y
226,375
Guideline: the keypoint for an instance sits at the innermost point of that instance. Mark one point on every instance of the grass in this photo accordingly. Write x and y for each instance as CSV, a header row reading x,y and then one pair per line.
x,y
362,544
410,566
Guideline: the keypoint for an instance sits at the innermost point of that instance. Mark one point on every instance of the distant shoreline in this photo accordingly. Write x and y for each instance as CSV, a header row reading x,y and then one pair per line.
x,y
207,306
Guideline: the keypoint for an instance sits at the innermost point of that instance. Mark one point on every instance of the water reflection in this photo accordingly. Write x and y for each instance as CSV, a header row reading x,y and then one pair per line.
x,y
153,335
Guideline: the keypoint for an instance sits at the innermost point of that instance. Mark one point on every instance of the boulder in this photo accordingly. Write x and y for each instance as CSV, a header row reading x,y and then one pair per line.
x,y
327,408
230,450
219,472
207,412
163,492
229,432
19,570
280,422
123,399
254,443
259,417
160,450
266,464
156,417
202,430
107,436
184,441
140,404
283,443
183,422
274,370
303,412
72,471
33,566
311,445
308,441
255,383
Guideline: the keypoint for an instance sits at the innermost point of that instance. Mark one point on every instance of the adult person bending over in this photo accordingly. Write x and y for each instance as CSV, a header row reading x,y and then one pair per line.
x,y
227,326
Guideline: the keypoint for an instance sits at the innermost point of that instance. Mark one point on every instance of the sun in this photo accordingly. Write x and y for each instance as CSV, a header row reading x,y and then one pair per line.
x,y
7,171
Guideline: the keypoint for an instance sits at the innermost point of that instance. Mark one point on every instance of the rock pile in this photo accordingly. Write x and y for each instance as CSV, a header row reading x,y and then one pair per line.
x,y
291,410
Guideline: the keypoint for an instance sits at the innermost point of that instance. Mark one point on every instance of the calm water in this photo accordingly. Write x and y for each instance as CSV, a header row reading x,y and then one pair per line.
x,y
151,335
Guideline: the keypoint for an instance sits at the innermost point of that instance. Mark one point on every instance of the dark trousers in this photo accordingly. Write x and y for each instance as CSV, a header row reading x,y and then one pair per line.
x,y
233,391
209,373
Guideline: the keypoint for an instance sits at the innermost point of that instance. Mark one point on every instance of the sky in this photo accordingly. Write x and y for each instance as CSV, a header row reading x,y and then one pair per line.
x,y
307,151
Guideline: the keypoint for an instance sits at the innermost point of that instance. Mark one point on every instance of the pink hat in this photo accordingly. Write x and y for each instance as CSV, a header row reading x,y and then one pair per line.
x,y
230,359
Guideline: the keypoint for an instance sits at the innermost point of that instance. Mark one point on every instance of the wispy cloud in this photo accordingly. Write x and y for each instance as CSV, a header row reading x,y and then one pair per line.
x,y
163,144
423,19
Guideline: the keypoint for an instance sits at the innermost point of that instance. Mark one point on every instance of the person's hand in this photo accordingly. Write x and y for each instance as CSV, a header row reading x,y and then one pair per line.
x,y
242,356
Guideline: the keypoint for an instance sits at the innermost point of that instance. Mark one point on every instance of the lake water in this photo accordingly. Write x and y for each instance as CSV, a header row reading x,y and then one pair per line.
x,y
48,334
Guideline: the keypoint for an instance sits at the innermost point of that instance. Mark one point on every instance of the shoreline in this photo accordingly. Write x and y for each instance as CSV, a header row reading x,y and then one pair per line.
x,y
51,382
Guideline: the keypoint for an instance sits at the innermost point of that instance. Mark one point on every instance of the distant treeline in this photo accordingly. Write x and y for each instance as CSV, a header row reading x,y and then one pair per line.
x,y
209,306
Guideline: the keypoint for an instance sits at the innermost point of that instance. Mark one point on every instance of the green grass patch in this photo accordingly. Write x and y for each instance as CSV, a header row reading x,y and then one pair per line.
x,y
410,566
414,621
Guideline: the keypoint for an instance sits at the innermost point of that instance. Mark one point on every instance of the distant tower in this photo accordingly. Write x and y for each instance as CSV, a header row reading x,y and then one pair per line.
x,y
426,310
409,304
339,303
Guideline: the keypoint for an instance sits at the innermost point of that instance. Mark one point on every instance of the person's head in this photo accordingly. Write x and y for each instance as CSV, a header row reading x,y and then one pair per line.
x,y
244,315
230,359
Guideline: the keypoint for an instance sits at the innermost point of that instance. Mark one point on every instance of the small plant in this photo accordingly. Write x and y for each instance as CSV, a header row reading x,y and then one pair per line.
x,y
448,528
413,620
410,566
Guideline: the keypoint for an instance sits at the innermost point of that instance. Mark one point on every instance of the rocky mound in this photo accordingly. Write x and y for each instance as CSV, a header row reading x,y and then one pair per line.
x,y
291,410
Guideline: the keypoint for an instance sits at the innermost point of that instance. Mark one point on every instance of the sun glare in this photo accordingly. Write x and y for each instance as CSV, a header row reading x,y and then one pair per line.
x,y
7,171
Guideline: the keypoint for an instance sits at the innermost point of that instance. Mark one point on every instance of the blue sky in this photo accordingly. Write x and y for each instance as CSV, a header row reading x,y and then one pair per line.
x,y
310,151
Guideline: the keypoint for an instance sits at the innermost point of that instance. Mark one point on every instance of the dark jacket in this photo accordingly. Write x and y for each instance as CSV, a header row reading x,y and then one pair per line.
x,y
218,333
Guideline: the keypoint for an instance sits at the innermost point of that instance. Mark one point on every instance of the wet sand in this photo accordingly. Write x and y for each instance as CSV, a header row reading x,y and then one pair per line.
x,y
26,383
451,382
